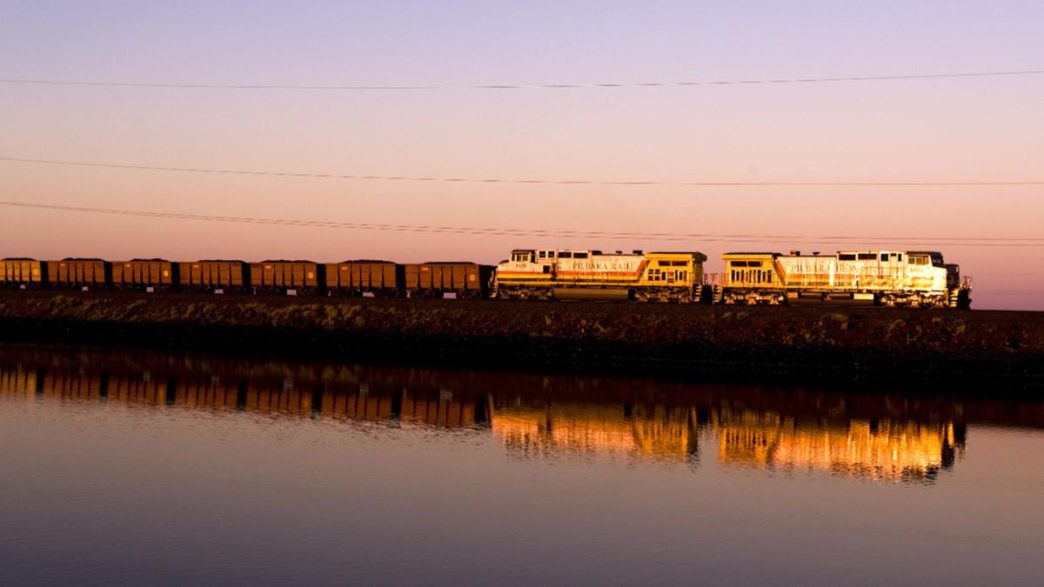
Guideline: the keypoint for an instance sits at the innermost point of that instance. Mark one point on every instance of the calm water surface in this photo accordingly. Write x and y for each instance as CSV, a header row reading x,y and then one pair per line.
x,y
133,468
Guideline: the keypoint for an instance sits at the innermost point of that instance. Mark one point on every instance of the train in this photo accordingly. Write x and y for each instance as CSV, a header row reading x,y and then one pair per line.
x,y
916,279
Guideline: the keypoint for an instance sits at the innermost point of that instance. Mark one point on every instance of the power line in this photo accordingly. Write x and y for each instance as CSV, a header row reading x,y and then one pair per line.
x,y
544,233
514,181
518,86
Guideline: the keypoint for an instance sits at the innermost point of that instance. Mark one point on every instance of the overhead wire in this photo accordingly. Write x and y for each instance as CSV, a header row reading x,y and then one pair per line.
x,y
490,231
546,233
517,181
522,86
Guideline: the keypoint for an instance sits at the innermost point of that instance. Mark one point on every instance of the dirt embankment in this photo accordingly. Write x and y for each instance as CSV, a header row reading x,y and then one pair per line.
x,y
844,341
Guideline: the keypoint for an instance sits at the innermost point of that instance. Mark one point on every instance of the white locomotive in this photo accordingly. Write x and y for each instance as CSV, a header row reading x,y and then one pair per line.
x,y
890,278
644,277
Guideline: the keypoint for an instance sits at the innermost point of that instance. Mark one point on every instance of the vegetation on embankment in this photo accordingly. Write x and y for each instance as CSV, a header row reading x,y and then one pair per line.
x,y
844,341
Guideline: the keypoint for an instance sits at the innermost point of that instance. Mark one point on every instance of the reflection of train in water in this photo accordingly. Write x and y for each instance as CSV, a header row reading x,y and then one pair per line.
x,y
875,449
890,278
898,450
542,418
269,396
644,432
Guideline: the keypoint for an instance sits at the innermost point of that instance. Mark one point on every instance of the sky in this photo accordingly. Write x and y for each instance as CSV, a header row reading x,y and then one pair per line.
x,y
969,129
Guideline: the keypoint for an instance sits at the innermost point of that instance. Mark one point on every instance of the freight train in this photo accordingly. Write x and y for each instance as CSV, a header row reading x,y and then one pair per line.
x,y
887,278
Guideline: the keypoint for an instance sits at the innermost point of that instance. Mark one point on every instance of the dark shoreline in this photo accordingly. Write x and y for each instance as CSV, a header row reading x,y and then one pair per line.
x,y
844,344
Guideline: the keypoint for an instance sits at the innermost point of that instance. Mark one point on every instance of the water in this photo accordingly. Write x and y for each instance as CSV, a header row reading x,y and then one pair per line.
x,y
131,468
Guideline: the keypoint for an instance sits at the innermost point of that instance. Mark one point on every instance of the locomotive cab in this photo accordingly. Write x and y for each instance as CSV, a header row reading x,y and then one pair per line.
x,y
942,279
531,261
925,270
520,256
528,273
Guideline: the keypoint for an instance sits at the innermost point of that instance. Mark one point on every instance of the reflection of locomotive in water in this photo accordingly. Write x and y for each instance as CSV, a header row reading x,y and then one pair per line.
x,y
890,278
876,449
560,429
540,418
895,450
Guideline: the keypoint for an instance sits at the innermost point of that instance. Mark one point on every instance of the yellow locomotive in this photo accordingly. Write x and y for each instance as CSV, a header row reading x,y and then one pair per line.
x,y
644,277
890,278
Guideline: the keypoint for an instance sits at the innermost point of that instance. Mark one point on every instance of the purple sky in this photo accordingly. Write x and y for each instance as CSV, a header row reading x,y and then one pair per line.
x,y
981,129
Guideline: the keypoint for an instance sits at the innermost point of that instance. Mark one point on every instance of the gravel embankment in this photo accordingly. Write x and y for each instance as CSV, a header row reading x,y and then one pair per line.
x,y
801,341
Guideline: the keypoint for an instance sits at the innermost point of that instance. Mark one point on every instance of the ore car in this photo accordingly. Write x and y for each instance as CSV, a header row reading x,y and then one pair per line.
x,y
214,275
645,277
148,275
85,274
890,278
22,273
287,277
436,279
357,278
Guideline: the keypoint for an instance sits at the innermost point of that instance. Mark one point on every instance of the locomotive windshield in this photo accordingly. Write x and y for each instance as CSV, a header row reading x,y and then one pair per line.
x,y
933,259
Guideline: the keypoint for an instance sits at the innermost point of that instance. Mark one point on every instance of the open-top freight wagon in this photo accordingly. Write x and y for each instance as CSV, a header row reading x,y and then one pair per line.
x,y
358,278
22,273
149,275
214,275
437,279
287,277
83,274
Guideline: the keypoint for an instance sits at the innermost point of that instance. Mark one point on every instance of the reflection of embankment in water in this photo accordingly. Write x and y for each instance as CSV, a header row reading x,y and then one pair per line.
x,y
864,434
